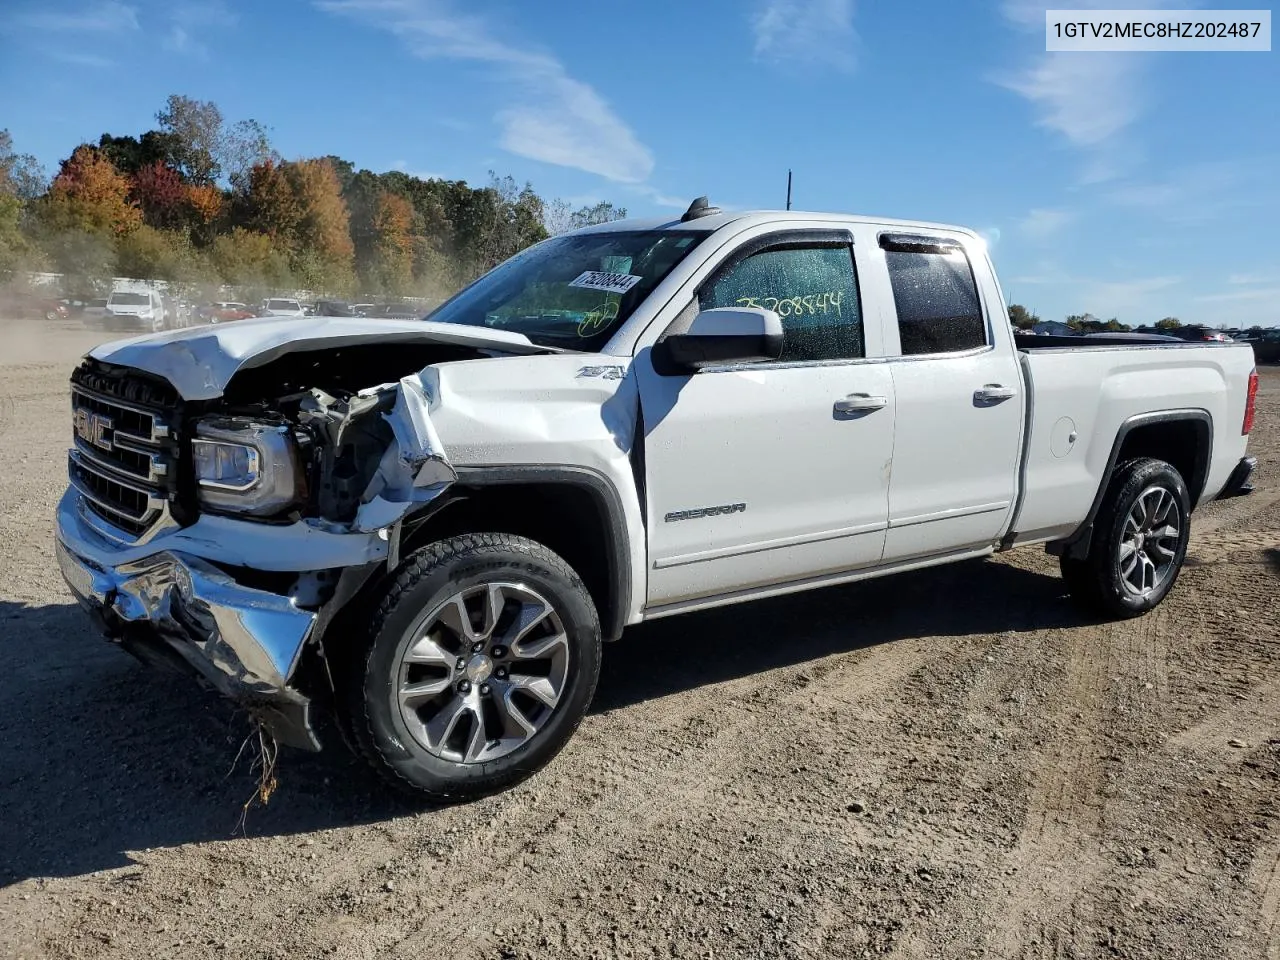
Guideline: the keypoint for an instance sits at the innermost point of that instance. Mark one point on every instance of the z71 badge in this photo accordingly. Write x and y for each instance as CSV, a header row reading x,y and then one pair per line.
x,y
699,512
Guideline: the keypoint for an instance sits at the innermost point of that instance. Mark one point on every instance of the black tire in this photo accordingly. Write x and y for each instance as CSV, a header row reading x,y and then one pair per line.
x,y
427,579
1096,582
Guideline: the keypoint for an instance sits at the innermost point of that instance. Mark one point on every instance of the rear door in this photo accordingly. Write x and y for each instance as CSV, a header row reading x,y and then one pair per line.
x,y
764,474
959,398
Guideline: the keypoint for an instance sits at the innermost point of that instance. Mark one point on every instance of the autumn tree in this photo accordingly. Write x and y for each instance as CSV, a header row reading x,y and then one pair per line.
x,y
392,267
251,261
151,254
90,195
20,173
241,146
161,195
195,127
130,154
321,248
1168,323
1021,317
20,181
267,203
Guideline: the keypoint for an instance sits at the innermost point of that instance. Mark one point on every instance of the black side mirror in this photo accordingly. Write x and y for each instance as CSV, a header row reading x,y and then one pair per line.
x,y
724,335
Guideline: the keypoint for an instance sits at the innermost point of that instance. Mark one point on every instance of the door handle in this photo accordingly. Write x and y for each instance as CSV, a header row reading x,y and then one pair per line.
x,y
860,403
994,393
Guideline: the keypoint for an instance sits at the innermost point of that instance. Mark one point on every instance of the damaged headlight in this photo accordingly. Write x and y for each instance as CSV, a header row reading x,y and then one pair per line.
x,y
242,466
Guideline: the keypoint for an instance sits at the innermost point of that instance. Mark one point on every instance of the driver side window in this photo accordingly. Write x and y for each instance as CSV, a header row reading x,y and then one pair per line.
x,y
812,288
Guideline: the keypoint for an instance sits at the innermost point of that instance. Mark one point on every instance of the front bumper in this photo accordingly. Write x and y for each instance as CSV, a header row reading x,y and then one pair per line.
x,y
177,607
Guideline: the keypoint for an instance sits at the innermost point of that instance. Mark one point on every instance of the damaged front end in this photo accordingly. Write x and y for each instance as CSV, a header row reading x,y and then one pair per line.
x,y
268,509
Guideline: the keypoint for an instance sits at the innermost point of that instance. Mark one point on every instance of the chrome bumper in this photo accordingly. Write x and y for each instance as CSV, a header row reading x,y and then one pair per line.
x,y
245,642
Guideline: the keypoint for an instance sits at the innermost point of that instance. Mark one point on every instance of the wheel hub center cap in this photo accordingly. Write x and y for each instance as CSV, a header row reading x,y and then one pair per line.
x,y
478,668
1141,540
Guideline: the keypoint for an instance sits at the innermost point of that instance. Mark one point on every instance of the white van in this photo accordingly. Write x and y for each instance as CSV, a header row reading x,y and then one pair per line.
x,y
129,309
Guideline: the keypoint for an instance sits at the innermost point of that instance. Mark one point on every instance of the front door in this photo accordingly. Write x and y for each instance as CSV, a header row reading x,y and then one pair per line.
x,y
764,474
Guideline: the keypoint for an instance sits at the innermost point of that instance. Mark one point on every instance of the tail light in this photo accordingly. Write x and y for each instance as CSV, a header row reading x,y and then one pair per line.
x,y
1250,402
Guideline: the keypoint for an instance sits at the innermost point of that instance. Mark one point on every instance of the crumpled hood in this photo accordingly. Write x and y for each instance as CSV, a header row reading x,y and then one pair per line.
x,y
200,361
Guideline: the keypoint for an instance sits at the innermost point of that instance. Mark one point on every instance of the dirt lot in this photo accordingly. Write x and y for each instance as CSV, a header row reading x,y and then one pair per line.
x,y
948,764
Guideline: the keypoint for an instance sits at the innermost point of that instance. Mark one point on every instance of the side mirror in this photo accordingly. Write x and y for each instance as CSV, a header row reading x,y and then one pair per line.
x,y
725,335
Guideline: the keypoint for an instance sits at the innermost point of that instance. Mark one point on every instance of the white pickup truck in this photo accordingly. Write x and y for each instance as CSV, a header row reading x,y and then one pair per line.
x,y
426,528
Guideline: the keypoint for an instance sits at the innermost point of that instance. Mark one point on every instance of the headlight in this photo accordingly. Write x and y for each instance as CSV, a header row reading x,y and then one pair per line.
x,y
246,467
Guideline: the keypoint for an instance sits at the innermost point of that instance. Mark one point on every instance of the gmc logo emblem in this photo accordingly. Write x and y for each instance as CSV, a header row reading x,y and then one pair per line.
x,y
92,428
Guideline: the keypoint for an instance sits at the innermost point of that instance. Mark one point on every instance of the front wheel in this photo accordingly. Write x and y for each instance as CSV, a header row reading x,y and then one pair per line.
x,y
1139,542
479,666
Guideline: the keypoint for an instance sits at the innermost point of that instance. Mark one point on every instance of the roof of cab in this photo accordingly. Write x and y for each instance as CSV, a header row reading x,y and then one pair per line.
x,y
751,218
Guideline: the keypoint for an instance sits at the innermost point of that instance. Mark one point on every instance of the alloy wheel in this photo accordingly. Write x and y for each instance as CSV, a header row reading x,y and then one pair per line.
x,y
482,672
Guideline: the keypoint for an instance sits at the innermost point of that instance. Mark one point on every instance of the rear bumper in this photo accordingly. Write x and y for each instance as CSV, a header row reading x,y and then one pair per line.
x,y
1240,481
178,609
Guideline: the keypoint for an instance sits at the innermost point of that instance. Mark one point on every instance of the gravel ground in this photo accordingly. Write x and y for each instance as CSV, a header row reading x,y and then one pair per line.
x,y
951,763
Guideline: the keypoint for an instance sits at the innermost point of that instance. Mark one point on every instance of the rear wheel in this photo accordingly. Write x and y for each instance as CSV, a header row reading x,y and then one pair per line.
x,y
1139,542
479,666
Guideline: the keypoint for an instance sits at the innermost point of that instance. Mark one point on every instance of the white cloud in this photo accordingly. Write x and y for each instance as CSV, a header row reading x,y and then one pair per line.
x,y
80,59
1200,192
106,16
554,117
403,167
187,21
1089,99
815,31
177,40
1256,293
1086,97
1042,223
1237,279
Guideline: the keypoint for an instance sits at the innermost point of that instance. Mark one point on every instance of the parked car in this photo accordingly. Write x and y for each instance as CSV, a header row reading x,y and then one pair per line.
x,y
333,308
362,309
95,309
431,528
282,307
1201,334
221,311
132,310
1266,345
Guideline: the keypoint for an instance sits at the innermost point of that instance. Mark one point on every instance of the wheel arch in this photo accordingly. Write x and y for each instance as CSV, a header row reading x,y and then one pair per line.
x,y
573,511
1182,438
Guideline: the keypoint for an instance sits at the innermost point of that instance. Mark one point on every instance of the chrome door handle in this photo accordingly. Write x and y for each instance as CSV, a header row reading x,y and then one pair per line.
x,y
994,393
860,403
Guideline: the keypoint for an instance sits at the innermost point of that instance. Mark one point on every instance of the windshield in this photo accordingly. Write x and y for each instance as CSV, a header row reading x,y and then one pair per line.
x,y
129,299
571,291
283,305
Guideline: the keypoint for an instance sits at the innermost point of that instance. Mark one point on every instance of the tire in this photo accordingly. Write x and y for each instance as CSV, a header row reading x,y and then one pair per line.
x,y
1139,542
491,674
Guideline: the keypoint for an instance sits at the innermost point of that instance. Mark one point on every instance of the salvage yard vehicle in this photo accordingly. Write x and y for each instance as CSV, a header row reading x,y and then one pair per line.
x,y
425,529
137,310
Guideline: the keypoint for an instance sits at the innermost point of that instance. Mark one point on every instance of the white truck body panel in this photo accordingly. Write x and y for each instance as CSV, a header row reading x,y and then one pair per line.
x,y
1091,392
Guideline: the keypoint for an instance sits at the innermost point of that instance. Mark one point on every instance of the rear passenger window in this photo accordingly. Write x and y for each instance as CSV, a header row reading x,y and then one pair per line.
x,y
935,296
812,288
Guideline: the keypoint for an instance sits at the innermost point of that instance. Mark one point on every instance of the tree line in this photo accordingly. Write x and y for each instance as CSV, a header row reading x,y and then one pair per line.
x,y
200,202
1024,319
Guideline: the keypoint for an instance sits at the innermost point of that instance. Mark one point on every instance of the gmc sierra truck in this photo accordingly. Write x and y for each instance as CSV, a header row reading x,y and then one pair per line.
x,y
425,529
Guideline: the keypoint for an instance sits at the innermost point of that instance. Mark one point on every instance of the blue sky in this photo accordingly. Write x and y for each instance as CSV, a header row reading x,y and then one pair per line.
x,y
1135,185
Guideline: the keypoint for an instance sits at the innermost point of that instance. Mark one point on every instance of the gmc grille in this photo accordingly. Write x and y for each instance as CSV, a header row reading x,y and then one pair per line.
x,y
124,447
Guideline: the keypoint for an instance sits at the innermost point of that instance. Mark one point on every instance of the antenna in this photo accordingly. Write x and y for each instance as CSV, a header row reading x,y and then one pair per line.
x,y
788,189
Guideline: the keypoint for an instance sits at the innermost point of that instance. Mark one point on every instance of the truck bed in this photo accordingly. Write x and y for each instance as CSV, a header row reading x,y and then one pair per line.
x,y
1086,393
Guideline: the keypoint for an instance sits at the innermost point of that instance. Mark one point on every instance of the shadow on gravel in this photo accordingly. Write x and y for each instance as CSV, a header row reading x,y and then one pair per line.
x,y
974,597
100,755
